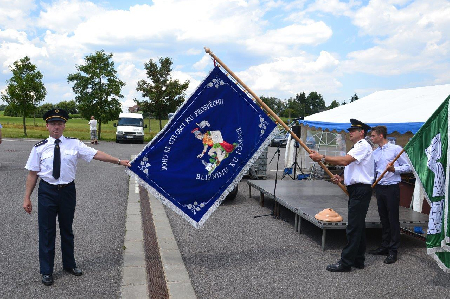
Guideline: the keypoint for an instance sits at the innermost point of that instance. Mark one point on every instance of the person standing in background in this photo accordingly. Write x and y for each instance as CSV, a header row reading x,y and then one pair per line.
x,y
93,127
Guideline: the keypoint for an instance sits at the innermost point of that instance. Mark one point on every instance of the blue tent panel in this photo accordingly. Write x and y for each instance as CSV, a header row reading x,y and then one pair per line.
x,y
391,127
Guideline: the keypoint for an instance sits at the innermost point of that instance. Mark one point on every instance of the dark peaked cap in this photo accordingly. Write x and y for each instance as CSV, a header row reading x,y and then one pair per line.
x,y
56,115
359,125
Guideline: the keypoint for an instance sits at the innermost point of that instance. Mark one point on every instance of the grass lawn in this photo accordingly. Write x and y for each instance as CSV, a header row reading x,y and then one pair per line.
x,y
78,128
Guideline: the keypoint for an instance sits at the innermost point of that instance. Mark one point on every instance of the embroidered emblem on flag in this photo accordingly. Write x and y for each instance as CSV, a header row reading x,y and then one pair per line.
x,y
205,148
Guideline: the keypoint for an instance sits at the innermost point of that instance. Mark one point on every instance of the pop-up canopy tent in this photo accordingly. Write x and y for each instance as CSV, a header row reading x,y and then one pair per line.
x,y
403,110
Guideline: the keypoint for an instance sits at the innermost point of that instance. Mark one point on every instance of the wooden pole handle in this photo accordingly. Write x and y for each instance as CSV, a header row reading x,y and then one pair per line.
x,y
385,171
274,115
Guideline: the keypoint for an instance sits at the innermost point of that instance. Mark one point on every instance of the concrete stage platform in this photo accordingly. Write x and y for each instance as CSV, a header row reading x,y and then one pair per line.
x,y
306,198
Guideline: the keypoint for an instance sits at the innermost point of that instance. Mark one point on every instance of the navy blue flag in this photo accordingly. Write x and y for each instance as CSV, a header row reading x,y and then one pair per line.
x,y
205,149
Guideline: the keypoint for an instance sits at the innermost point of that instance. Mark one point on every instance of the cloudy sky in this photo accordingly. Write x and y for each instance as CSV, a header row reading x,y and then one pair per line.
x,y
278,48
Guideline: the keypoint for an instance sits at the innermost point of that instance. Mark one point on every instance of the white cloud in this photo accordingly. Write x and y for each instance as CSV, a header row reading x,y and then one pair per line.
x,y
286,40
409,38
203,63
15,46
15,13
334,7
12,35
196,20
287,76
64,16
280,47
378,61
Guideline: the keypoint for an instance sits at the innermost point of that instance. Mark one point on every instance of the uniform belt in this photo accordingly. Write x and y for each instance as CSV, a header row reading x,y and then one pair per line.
x,y
359,184
59,186
387,185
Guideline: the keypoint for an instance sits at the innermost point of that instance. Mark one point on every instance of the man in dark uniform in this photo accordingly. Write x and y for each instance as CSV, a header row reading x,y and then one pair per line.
x,y
388,192
358,177
54,160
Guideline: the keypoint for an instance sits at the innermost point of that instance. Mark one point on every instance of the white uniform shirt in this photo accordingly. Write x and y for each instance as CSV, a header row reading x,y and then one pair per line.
x,y
362,169
41,159
93,124
386,154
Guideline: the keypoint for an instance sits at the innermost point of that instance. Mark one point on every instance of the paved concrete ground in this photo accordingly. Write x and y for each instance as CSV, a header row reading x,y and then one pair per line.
x,y
99,227
241,252
135,278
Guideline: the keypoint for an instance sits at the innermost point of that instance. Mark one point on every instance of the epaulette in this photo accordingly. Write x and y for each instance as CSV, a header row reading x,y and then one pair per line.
x,y
72,138
41,143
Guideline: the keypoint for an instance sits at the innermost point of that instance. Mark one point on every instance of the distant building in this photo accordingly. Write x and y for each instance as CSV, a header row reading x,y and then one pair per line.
x,y
133,109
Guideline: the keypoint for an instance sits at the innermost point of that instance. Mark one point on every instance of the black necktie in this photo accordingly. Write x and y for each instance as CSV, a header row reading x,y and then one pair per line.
x,y
56,160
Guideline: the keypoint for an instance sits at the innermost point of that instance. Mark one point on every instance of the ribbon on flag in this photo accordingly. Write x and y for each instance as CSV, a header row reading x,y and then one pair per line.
x,y
428,153
205,148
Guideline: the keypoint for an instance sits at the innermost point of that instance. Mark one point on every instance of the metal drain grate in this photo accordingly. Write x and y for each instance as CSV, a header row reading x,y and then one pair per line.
x,y
157,287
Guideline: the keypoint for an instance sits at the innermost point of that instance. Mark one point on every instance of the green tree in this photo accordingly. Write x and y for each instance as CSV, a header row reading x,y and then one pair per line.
x,y
25,89
10,112
301,101
354,98
333,104
314,104
275,104
164,94
97,88
69,106
41,110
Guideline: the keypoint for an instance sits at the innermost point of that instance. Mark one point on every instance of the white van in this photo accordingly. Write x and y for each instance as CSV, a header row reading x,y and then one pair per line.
x,y
130,127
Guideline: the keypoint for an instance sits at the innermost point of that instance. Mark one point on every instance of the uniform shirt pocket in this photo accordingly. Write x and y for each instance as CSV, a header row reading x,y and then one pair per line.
x,y
70,157
47,160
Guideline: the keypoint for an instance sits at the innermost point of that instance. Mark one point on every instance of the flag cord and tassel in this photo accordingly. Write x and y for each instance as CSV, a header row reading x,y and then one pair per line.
x,y
271,113
385,171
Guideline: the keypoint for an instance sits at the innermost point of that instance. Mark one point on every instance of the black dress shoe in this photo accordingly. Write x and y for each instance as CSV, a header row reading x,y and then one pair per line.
x,y
47,279
338,267
74,271
390,259
379,251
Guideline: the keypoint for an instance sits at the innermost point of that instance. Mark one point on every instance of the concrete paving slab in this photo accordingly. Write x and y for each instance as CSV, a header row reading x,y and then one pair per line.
x,y
134,274
134,292
177,278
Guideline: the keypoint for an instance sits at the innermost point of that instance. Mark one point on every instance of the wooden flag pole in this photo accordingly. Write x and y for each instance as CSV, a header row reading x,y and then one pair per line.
x,y
274,115
385,171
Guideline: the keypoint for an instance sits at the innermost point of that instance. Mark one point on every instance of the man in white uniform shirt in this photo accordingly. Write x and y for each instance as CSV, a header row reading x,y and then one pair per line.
x,y
54,161
388,192
358,177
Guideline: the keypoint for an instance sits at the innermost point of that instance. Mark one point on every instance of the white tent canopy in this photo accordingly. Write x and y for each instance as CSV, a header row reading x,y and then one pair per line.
x,y
391,106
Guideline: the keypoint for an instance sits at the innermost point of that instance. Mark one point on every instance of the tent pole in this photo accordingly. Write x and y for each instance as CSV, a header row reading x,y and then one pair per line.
x,y
271,113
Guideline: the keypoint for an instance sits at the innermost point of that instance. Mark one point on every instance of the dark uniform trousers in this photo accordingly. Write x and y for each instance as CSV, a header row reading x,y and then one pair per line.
x,y
358,204
388,200
56,201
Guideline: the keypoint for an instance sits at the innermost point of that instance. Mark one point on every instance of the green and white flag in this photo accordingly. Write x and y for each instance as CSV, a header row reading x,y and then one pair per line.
x,y
428,152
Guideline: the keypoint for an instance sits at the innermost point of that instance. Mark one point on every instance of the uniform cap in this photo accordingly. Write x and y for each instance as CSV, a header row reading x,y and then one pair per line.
x,y
356,124
56,115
